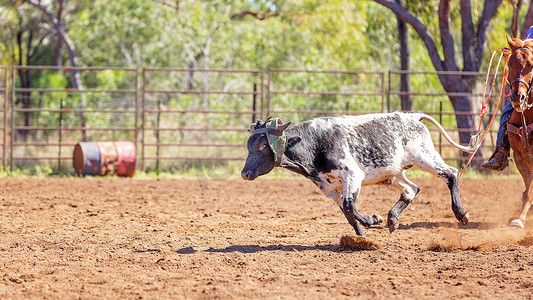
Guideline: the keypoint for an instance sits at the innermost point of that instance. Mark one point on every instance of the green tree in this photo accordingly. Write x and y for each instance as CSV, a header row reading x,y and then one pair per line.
x,y
473,44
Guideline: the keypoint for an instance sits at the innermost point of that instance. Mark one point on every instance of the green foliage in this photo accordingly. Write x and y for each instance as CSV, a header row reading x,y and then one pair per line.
x,y
304,34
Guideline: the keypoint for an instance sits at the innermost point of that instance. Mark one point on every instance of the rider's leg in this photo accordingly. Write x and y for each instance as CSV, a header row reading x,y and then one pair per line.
x,y
498,161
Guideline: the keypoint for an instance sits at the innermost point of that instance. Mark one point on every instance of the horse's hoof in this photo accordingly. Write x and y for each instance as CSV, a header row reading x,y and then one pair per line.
x,y
378,219
517,223
464,219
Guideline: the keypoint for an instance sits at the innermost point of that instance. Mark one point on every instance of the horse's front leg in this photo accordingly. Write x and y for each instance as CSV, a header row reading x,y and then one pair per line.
x,y
524,166
527,201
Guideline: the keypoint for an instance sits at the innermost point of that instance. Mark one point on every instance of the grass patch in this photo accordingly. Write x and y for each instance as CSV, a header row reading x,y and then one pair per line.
x,y
220,170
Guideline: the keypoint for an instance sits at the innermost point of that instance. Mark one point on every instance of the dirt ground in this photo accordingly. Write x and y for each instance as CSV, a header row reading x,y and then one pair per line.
x,y
114,238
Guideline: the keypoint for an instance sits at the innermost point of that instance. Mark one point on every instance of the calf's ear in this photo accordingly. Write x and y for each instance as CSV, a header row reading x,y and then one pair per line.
x,y
292,141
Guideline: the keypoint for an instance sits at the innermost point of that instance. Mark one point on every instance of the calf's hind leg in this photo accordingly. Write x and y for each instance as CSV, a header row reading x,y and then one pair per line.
x,y
433,164
408,192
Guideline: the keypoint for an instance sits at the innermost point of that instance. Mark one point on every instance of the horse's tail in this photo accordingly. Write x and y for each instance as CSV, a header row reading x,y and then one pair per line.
x,y
475,141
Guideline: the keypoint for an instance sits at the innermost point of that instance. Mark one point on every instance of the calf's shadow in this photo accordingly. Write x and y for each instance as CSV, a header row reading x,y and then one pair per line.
x,y
470,225
257,248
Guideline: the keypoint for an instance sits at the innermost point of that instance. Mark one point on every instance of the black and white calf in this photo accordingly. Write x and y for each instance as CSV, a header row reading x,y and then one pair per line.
x,y
341,154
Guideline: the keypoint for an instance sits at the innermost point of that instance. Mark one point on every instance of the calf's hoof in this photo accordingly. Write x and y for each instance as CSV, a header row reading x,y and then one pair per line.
x,y
464,219
517,223
377,219
392,223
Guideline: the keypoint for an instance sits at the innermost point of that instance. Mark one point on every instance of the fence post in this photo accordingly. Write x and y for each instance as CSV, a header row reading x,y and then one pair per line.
x,y
60,134
254,104
382,92
262,94
157,136
135,139
440,122
6,70
143,121
12,117
269,87
388,91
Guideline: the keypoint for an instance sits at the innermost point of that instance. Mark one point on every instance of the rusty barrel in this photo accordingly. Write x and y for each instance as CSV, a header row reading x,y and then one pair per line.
x,y
126,158
108,158
86,159
105,158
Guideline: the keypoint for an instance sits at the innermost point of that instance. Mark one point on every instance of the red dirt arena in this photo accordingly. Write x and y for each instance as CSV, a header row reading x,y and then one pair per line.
x,y
116,238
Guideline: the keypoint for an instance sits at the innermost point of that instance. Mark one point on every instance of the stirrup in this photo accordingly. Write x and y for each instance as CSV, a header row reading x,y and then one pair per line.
x,y
498,160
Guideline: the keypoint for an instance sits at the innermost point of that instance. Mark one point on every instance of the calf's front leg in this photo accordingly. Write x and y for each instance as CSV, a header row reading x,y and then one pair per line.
x,y
351,189
351,219
408,191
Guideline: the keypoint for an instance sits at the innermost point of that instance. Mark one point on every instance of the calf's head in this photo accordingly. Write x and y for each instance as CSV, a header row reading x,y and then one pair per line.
x,y
265,147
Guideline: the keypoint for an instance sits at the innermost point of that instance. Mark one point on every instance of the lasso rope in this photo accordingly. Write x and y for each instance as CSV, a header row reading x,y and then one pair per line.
x,y
483,112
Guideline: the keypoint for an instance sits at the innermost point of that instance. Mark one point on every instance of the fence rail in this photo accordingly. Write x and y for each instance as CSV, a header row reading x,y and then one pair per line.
x,y
174,114
443,109
73,111
196,109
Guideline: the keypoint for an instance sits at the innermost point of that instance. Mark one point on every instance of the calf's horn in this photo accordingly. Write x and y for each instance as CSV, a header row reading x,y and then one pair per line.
x,y
284,126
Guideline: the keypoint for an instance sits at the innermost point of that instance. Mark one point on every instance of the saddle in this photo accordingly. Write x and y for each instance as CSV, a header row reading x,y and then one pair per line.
x,y
520,130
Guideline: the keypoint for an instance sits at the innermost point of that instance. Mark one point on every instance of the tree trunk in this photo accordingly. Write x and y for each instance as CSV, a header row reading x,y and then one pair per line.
x,y
474,44
514,24
528,20
26,100
69,45
405,78
25,82
464,108
58,59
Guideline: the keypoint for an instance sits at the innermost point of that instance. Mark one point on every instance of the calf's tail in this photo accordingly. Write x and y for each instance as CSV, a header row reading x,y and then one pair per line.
x,y
475,140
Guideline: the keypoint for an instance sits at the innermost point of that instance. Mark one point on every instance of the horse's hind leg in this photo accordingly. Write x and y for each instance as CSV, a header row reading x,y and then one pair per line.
x,y
527,201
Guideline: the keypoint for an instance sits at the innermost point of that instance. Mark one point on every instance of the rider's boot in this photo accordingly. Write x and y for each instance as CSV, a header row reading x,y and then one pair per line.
x,y
498,160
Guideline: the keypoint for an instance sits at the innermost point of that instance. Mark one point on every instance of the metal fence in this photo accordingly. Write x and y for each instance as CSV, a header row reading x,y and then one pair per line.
x,y
182,117
193,117
433,100
48,118
293,93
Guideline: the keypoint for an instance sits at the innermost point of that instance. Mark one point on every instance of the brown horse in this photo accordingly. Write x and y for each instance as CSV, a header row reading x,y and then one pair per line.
x,y
520,125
